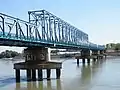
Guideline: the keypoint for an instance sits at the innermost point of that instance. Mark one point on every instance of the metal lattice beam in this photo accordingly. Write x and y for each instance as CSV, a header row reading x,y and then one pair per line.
x,y
43,28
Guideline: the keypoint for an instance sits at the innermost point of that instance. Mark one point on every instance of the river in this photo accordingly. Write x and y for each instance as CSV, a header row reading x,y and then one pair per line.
x,y
102,75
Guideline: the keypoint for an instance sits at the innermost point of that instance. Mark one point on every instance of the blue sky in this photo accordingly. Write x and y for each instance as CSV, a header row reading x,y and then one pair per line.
x,y
99,18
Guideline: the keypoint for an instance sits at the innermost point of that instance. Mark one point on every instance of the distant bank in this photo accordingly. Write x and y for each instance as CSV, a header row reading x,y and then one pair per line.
x,y
113,52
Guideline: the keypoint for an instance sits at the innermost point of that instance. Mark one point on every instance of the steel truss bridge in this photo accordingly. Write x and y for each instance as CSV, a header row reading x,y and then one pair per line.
x,y
43,29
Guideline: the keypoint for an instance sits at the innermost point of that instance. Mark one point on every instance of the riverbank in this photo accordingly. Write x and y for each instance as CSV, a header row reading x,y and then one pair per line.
x,y
58,56
113,53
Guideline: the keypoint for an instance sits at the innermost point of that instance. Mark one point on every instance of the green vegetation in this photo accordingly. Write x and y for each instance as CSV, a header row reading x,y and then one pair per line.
x,y
113,46
9,54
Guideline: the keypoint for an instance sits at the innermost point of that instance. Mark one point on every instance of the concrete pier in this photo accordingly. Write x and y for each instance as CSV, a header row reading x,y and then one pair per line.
x,y
83,60
37,59
77,61
17,71
58,73
40,75
29,75
85,52
48,74
88,61
33,75
46,65
87,55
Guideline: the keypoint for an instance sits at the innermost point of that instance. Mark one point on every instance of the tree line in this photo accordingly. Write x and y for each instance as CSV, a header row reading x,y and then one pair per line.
x,y
9,54
113,46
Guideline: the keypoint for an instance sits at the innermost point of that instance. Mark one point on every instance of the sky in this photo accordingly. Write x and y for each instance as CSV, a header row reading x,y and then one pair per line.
x,y
100,19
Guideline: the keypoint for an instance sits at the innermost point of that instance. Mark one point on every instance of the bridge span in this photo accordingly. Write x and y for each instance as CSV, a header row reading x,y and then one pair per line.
x,y
44,30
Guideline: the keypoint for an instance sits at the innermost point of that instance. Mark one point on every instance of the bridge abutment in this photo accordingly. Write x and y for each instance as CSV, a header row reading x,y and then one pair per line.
x,y
37,59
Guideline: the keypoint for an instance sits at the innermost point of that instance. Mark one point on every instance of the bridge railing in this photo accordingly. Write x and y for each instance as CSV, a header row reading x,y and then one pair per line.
x,y
14,28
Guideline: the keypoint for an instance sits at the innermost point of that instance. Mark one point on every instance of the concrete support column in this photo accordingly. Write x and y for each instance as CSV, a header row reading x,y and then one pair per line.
x,y
77,61
88,61
40,75
17,71
33,75
28,74
48,74
83,60
58,73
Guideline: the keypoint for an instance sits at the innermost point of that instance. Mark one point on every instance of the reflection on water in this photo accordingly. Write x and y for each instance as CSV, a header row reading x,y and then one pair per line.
x,y
83,82
93,76
39,86
86,74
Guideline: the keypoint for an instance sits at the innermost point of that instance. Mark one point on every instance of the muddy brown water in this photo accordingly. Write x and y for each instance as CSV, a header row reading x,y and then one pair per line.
x,y
102,75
